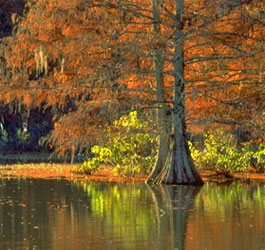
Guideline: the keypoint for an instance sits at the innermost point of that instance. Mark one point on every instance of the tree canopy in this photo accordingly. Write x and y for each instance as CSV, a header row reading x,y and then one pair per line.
x,y
198,61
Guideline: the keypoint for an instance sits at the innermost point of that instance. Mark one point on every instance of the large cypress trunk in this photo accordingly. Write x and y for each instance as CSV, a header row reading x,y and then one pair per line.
x,y
179,167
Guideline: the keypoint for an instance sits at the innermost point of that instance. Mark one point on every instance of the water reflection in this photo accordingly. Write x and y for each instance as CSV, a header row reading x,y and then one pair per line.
x,y
228,217
53,214
172,205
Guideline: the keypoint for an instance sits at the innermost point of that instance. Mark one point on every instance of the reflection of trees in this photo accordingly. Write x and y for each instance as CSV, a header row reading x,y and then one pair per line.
x,y
172,205
52,214
31,211
124,212
21,214
228,216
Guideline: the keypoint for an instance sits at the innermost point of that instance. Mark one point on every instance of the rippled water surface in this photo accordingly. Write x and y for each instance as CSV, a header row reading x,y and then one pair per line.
x,y
60,214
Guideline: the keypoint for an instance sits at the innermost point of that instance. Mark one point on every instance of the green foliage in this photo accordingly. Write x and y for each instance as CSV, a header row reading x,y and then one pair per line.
x,y
221,153
130,151
4,135
3,139
259,159
87,168
23,138
196,154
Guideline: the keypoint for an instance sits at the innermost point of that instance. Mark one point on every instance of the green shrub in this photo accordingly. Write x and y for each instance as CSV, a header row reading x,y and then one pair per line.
x,y
221,153
259,159
131,151
87,168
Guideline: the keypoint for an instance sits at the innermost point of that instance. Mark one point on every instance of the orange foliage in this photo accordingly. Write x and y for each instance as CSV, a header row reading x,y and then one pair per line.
x,y
27,99
41,98
72,51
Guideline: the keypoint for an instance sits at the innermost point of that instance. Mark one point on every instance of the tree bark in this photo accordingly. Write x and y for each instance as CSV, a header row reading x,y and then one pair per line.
x,y
161,113
179,167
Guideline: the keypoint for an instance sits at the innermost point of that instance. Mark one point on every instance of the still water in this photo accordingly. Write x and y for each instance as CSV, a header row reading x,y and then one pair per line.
x,y
60,214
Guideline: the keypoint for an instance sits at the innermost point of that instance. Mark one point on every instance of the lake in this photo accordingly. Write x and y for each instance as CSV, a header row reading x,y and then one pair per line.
x,y
61,214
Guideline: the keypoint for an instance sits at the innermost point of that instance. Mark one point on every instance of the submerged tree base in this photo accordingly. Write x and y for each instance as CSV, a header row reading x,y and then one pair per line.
x,y
179,167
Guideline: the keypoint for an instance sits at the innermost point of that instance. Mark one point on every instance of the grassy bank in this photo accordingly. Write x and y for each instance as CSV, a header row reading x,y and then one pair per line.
x,y
44,165
60,171
105,173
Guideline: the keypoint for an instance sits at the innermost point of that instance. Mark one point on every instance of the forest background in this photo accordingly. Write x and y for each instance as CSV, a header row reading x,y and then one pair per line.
x,y
133,80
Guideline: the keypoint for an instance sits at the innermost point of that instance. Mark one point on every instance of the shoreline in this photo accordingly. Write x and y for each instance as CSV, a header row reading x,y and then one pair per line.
x,y
63,171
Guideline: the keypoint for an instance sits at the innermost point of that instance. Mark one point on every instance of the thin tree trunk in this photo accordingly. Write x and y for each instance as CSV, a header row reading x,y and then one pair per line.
x,y
162,119
73,149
